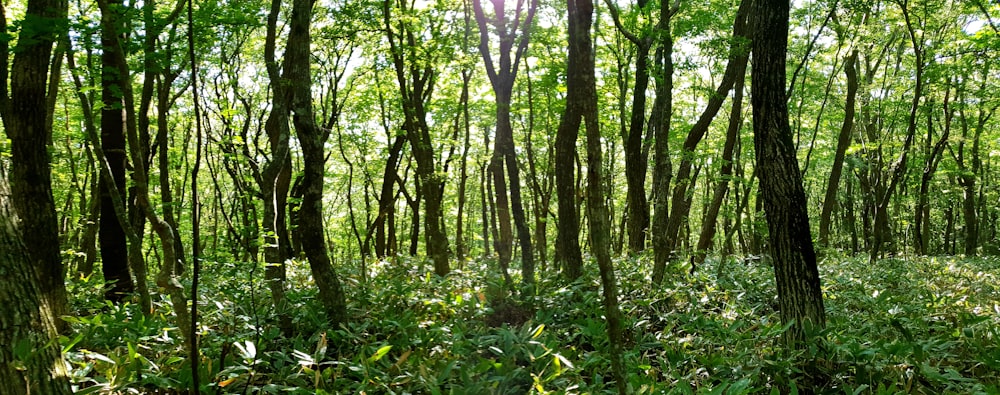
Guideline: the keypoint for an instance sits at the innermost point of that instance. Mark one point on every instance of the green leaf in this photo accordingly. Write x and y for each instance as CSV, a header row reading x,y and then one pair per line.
x,y
379,354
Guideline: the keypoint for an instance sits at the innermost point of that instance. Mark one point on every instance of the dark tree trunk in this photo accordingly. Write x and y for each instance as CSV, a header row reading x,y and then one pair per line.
x,y
568,254
800,298
843,142
659,128
581,69
502,77
637,216
708,224
922,211
416,77
27,316
27,123
114,246
312,139
387,197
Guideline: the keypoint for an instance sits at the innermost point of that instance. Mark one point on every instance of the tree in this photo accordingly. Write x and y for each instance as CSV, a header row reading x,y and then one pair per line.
x,y
416,74
502,77
685,180
800,299
114,245
27,120
568,253
30,360
580,68
312,139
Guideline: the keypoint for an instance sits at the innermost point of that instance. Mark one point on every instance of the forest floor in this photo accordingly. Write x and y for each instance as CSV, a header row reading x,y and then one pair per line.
x,y
928,325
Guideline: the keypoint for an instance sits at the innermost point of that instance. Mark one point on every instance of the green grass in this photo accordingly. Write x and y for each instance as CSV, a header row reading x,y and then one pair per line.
x,y
914,325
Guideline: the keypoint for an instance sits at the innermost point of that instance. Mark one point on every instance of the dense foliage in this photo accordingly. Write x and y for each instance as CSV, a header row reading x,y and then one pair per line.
x,y
531,196
929,326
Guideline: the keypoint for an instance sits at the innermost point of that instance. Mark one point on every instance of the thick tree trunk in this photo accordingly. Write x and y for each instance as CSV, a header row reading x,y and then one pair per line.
x,y
27,123
800,298
28,318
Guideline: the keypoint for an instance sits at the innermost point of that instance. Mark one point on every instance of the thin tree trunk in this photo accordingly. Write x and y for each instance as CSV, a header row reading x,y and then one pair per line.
x,y
708,224
680,206
843,142
312,139
659,125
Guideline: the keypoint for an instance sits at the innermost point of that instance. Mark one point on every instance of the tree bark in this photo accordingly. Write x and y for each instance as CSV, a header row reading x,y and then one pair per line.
x,y
30,360
708,224
415,75
114,245
27,122
312,139
659,125
568,254
581,69
504,162
800,299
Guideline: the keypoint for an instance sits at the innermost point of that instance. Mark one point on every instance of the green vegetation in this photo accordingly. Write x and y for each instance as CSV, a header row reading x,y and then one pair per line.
x,y
918,326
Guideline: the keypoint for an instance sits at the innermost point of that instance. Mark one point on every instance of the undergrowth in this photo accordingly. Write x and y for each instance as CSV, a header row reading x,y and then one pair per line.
x,y
915,325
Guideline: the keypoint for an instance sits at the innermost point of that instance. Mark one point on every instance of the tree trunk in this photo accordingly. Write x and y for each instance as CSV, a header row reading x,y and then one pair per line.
x,y
843,142
27,122
659,125
581,70
502,77
800,298
637,215
568,254
114,246
708,224
680,201
312,139
30,360
416,77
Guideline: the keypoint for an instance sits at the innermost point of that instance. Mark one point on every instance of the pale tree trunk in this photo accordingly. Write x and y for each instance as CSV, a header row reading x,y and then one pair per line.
x,y
276,178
